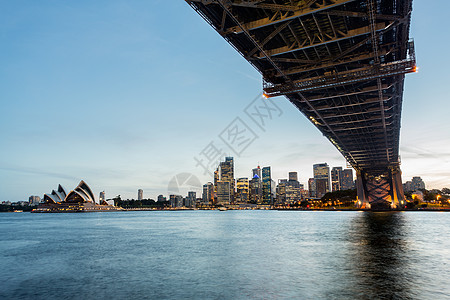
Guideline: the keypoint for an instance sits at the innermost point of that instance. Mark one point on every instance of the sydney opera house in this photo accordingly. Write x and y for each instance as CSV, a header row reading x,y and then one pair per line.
x,y
81,199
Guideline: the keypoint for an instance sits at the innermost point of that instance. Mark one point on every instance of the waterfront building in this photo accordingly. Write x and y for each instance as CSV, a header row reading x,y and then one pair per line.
x,y
208,193
293,176
140,194
312,187
190,199
161,198
281,191
223,192
321,187
226,171
242,190
34,200
321,172
266,186
347,182
336,178
255,187
102,197
80,199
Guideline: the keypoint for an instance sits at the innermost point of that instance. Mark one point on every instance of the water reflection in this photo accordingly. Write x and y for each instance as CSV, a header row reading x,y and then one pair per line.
x,y
380,256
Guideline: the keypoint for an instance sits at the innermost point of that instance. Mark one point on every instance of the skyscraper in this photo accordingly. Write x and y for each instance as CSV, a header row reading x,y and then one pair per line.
x,y
223,192
347,182
242,190
266,186
312,188
336,174
140,194
161,198
102,197
322,173
208,193
281,191
293,176
190,199
255,186
226,170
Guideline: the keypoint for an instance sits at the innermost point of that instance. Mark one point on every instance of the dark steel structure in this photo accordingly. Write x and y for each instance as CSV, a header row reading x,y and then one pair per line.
x,y
341,63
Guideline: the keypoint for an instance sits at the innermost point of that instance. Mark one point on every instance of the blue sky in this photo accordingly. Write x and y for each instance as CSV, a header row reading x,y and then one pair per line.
x,y
124,94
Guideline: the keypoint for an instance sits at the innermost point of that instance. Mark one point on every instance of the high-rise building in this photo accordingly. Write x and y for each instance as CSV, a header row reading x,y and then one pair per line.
x,y
347,182
34,200
242,190
321,187
255,186
336,174
223,192
312,188
190,199
208,193
266,186
102,197
140,194
321,172
226,171
281,191
293,176
161,198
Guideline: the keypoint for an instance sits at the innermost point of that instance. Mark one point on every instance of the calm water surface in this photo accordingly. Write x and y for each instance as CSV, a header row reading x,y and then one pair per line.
x,y
225,255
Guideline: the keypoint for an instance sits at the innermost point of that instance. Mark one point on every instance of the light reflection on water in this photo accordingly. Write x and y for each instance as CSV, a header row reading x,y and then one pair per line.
x,y
225,255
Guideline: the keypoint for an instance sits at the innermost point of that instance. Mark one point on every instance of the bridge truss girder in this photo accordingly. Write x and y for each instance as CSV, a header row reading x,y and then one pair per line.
x,y
340,62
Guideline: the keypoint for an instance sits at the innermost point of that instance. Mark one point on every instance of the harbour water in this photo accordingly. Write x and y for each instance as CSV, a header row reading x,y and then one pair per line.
x,y
225,255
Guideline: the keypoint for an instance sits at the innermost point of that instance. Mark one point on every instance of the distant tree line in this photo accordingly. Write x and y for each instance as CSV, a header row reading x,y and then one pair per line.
x,y
144,203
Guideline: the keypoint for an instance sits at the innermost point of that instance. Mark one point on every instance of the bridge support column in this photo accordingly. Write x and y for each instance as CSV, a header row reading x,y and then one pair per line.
x,y
382,191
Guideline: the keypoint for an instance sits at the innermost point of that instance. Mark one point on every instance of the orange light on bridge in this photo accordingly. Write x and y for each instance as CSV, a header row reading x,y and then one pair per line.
x,y
265,96
415,69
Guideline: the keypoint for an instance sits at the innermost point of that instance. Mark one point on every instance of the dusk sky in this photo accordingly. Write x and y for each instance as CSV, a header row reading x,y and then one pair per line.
x,y
125,95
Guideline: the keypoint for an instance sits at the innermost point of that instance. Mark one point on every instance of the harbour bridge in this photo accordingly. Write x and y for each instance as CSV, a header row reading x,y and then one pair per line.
x,y
342,63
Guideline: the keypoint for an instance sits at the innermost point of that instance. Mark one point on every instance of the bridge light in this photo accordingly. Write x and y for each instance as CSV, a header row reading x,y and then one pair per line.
x,y
265,96
415,69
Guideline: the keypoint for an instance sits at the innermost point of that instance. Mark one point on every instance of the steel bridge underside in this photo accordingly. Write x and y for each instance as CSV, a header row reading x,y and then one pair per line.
x,y
341,63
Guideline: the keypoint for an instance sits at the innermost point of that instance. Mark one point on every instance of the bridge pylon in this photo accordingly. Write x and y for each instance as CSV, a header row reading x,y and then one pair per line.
x,y
380,191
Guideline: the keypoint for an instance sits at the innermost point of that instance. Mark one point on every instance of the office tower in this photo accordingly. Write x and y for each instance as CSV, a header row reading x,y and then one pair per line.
x,y
322,173
34,200
293,176
216,179
172,201
242,190
140,194
256,187
179,201
312,188
256,171
266,186
321,187
102,197
226,171
223,192
161,198
347,182
208,193
190,199
281,191
336,175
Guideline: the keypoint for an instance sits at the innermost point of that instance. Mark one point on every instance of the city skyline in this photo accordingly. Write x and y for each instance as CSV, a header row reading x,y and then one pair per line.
x,y
143,100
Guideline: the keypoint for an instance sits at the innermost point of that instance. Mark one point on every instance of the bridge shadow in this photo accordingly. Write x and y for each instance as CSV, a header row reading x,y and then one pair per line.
x,y
380,256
